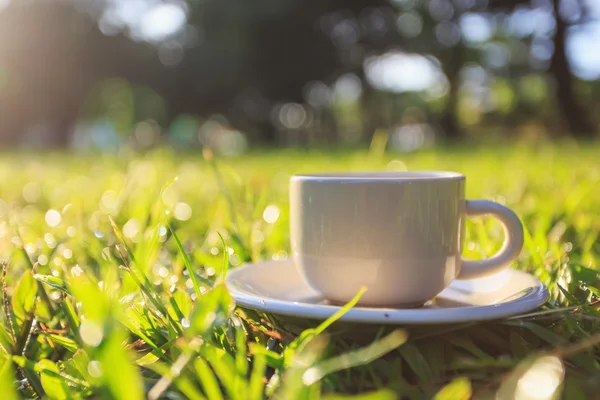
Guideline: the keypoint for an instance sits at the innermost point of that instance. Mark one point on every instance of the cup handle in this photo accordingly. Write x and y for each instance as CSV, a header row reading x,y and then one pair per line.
x,y
513,240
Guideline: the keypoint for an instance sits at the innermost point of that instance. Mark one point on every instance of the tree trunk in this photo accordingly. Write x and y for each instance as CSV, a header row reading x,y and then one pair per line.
x,y
372,112
576,118
452,63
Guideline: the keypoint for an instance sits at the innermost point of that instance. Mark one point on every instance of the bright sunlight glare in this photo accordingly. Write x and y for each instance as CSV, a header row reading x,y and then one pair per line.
x,y
403,72
162,21
541,380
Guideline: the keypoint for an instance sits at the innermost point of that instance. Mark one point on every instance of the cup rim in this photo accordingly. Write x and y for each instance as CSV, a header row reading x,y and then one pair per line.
x,y
379,176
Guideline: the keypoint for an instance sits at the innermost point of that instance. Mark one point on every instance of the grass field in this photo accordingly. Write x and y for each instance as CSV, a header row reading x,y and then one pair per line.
x,y
113,281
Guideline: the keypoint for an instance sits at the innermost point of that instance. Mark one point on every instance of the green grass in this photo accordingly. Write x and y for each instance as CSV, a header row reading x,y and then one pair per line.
x,y
112,289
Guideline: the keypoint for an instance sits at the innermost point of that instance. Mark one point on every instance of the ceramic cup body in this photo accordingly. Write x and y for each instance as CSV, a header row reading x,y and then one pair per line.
x,y
398,234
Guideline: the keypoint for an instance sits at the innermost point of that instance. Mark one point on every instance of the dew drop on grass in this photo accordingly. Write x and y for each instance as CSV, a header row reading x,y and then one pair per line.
x,y
106,254
185,323
162,231
98,234
94,369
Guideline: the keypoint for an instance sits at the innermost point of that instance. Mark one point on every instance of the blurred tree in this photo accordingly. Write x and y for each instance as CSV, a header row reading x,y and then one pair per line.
x,y
565,13
576,116
52,56
255,64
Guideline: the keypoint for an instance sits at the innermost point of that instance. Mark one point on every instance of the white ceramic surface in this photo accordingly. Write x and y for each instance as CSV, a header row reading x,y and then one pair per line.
x,y
400,234
276,287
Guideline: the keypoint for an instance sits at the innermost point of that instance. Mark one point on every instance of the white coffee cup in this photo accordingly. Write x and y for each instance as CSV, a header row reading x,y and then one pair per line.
x,y
399,234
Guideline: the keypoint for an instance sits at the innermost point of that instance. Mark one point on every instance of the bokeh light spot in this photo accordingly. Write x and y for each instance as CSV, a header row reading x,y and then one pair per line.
x,y
183,211
91,333
271,214
52,218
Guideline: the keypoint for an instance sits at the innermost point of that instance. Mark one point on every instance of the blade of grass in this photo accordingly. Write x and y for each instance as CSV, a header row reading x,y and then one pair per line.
x,y
416,361
52,281
165,381
41,290
207,380
340,313
257,376
225,259
121,238
209,156
24,335
6,380
458,389
384,394
224,366
183,383
6,302
146,288
72,319
187,263
298,344
30,374
42,368
355,358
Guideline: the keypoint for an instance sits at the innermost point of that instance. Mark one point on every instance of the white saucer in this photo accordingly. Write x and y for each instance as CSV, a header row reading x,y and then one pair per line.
x,y
276,287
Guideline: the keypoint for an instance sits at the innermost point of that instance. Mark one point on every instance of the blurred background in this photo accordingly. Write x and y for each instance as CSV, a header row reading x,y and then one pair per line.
x,y
235,74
